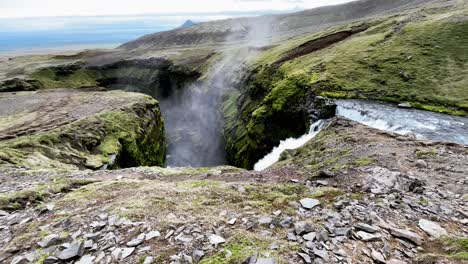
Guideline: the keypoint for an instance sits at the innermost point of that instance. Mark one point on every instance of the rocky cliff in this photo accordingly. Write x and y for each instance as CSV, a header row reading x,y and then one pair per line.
x,y
80,129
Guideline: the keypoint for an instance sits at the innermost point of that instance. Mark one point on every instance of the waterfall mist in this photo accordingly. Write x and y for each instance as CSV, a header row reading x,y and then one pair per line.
x,y
193,115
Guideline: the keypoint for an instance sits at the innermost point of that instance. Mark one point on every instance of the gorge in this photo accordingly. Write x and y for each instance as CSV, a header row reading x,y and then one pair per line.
x,y
332,135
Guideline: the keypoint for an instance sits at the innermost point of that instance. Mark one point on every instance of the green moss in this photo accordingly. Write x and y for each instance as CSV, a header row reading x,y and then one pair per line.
x,y
363,161
423,202
76,77
203,183
457,247
240,246
461,256
19,200
326,193
270,198
136,135
425,154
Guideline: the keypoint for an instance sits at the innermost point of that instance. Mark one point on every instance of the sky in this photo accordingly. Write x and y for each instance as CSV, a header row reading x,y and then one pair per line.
x,y
55,8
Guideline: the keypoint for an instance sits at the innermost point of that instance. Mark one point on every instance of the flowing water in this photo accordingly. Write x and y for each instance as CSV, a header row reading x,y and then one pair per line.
x,y
386,117
290,143
422,124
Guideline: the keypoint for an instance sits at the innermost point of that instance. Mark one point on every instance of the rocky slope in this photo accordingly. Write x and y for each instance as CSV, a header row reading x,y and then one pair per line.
x,y
378,50
388,199
80,129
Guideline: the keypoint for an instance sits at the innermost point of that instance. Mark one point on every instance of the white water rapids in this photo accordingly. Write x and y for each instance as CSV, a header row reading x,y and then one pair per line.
x,y
290,143
386,117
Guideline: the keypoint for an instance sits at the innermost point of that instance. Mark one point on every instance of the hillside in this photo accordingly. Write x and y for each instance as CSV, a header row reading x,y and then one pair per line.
x,y
94,170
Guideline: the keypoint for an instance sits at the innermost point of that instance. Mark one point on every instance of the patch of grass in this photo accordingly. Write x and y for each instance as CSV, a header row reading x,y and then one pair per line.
x,y
427,153
19,200
327,194
363,161
203,183
75,77
357,196
457,247
241,247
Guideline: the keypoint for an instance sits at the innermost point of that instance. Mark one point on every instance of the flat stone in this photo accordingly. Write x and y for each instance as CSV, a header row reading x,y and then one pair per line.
x,y
51,260
266,261
310,236
286,222
305,257
396,261
137,241
232,221
309,203
377,256
215,239
302,228
169,234
197,255
342,231
75,249
98,224
50,240
125,252
277,213
265,221
367,237
411,236
292,237
86,259
183,239
274,246
19,260
100,257
323,254
148,260
3,213
366,227
432,228
152,235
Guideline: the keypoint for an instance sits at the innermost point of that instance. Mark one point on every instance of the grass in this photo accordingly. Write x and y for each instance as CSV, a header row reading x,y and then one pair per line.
x,y
426,153
20,199
240,247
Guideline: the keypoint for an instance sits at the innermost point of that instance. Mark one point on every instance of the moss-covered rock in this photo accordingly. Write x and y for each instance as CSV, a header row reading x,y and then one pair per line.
x,y
126,130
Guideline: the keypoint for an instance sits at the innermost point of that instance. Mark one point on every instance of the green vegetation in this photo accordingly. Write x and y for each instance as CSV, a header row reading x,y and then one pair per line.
x,y
19,200
138,139
363,161
67,76
457,247
422,61
240,247
425,154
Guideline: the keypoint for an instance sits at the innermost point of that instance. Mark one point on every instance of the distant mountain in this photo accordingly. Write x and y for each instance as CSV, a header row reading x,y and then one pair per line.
x,y
281,25
188,23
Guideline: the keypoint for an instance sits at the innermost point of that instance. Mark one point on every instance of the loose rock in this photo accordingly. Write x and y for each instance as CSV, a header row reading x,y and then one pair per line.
x,y
432,228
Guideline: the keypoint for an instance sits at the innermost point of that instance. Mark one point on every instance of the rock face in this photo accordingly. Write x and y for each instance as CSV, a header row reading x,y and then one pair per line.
x,y
75,129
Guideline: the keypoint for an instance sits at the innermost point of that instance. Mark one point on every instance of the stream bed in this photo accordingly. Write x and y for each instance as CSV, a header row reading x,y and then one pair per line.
x,y
386,117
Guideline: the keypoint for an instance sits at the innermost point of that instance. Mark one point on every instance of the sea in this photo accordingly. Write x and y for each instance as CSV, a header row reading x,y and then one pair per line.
x,y
18,35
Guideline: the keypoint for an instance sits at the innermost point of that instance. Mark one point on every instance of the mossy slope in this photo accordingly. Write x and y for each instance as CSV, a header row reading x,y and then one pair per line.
x,y
420,58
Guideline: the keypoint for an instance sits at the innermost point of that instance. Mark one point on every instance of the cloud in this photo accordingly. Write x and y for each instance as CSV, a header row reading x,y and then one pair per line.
x,y
39,8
